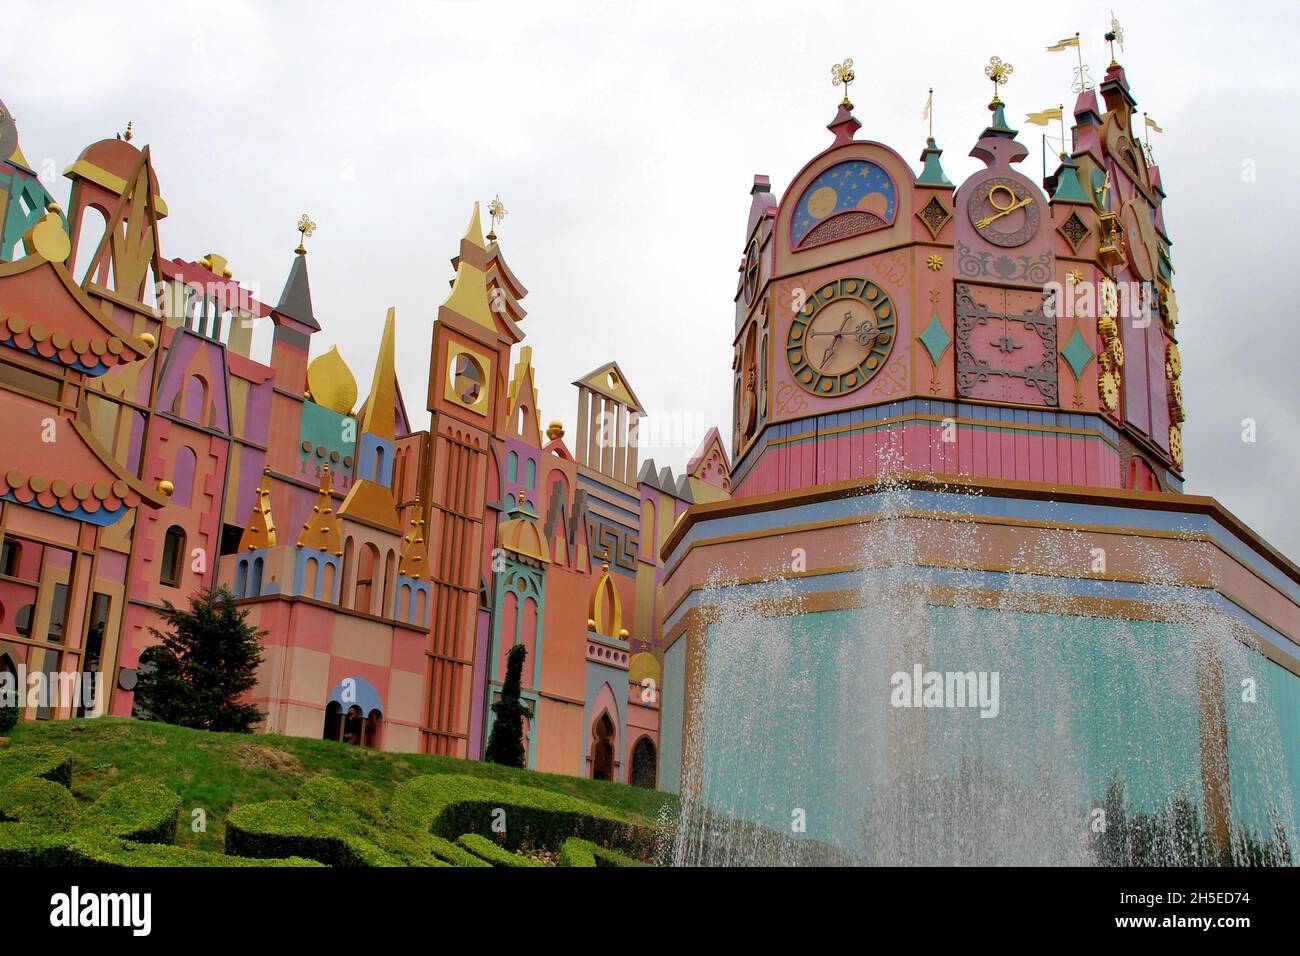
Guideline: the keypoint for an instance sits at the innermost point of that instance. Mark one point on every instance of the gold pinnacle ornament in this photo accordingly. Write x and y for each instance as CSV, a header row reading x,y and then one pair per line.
x,y
1114,35
842,75
999,73
307,227
497,211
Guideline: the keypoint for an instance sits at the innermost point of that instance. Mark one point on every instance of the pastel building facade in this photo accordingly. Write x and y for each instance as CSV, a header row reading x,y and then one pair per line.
x,y
391,566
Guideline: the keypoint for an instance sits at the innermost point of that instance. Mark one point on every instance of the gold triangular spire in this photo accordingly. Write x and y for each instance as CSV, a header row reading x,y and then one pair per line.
x,y
469,290
415,556
378,419
322,531
260,531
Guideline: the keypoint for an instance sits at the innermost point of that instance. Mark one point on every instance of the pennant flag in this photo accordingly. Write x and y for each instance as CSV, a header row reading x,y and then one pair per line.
x,y
1062,45
1045,117
929,101
1151,124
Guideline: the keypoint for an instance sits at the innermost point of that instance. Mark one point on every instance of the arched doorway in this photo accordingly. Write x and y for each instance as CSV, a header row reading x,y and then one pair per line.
x,y
645,764
602,749
333,721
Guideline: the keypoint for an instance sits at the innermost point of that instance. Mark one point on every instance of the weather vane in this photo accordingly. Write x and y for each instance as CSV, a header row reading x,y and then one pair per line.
x,y
305,226
842,75
1113,36
496,210
998,72
1082,81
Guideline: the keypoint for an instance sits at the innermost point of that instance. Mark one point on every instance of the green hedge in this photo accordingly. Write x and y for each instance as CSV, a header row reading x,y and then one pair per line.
x,y
43,803
485,849
41,760
138,810
453,804
9,717
576,852
24,844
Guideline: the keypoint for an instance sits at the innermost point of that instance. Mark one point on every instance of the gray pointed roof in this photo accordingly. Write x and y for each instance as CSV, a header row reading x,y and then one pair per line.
x,y
295,300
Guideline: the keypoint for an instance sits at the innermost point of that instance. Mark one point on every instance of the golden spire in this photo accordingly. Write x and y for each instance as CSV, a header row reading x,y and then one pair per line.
x,y
999,73
307,227
331,382
1114,35
322,531
842,75
415,557
469,290
260,531
127,135
497,210
378,419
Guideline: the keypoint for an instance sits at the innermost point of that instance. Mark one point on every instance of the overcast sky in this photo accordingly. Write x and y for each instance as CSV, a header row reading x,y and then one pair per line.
x,y
623,139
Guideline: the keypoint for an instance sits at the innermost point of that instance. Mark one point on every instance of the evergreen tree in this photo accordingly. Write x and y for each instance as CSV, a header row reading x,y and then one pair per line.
x,y
506,745
205,664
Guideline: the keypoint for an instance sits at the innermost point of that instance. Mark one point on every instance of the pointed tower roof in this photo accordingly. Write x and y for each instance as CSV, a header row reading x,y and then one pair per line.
x,y
845,125
932,174
331,382
522,386
260,531
295,300
415,556
322,531
378,418
469,289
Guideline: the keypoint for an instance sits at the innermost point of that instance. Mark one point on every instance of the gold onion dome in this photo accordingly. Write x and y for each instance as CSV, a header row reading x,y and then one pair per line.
x,y
331,382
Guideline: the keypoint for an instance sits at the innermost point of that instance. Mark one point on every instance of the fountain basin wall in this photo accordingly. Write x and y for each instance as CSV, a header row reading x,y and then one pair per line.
x,y
1143,640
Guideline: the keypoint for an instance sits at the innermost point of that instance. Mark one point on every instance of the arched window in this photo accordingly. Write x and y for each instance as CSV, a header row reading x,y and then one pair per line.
x,y
195,407
23,621
353,726
512,466
530,474
173,556
183,476
344,594
11,553
602,748
255,579
390,578
327,582
645,764
241,576
333,721
309,574
367,568
370,738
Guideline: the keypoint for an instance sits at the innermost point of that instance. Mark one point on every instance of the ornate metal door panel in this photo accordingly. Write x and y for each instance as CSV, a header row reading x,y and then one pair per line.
x,y
1006,346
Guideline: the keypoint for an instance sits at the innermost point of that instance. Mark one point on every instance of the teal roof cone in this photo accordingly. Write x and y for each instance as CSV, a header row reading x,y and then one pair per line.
x,y
932,174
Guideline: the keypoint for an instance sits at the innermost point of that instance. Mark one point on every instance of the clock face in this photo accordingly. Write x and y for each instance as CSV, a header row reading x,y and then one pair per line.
x,y
752,263
1004,212
1140,236
842,337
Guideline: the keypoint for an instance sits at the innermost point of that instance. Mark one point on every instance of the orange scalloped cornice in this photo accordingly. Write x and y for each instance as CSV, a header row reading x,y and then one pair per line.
x,y
43,310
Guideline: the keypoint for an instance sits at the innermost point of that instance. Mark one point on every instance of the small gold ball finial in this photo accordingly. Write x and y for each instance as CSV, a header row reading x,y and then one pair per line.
x,y
149,339
307,227
166,487
555,430
999,72
842,75
497,211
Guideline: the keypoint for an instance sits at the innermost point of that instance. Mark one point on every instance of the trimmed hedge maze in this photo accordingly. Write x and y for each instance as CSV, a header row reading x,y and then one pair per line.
x,y
440,820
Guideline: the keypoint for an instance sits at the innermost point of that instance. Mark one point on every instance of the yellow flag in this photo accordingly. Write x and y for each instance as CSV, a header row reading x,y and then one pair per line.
x,y
1045,117
1151,123
1061,45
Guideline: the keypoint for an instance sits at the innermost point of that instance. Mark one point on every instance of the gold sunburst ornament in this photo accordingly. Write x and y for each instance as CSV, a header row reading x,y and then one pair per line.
x,y
842,75
999,73
307,227
497,211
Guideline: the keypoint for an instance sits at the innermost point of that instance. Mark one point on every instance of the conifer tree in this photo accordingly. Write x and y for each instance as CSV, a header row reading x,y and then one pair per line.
x,y
506,745
205,664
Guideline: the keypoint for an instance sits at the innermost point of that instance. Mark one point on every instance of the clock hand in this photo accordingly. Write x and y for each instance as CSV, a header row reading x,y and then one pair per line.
x,y
987,220
830,349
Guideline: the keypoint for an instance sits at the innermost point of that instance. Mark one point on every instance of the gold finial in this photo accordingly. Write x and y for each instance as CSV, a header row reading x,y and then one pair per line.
x,y
497,211
842,75
999,73
307,227
127,135
1115,35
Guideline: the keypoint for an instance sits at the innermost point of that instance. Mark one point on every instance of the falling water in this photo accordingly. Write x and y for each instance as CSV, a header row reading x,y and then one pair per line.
x,y
804,759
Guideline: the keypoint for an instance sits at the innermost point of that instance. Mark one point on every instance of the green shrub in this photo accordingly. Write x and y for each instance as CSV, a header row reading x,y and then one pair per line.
x,y
485,849
9,717
138,810
42,803
455,805
41,760
576,852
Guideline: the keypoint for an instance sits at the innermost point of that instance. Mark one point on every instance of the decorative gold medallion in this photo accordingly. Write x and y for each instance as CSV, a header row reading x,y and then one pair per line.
x,y
1108,389
1176,445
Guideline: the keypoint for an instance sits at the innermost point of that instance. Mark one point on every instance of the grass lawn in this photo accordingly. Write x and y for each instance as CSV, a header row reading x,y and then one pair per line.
x,y
219,771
